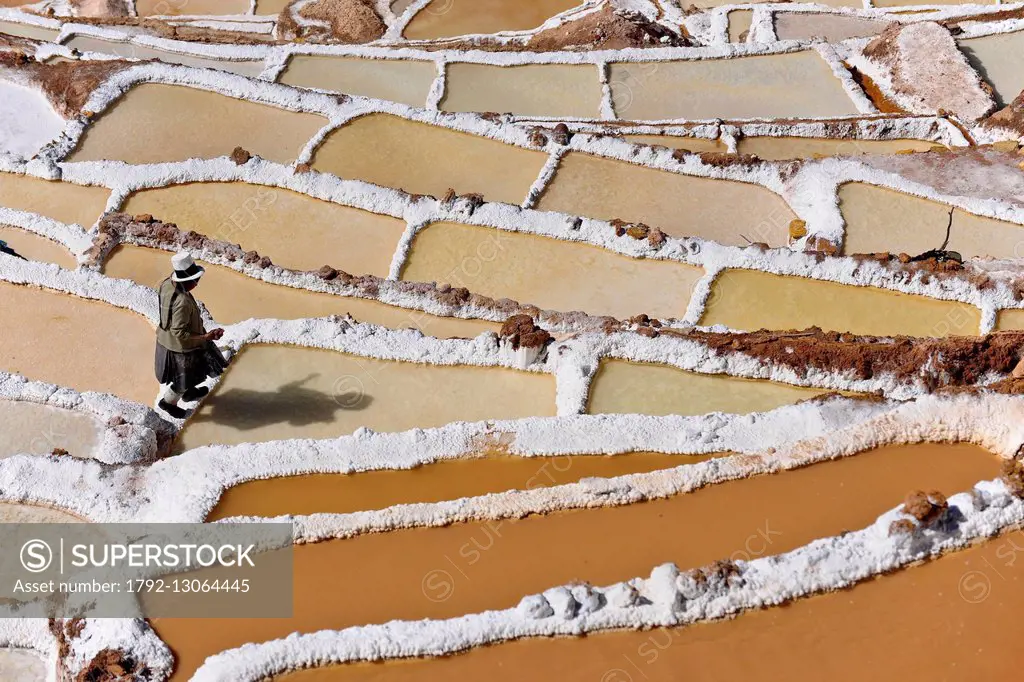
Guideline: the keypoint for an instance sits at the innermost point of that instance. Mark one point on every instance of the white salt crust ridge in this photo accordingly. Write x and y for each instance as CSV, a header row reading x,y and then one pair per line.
x,y
928,419
826,564
667,598
572,363
132,433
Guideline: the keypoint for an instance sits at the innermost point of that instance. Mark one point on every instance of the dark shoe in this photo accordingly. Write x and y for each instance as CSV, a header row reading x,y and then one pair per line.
x,y
172,410
196,393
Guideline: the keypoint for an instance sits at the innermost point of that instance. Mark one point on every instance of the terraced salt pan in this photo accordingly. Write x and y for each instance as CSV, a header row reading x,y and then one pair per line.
x,y
278,392
423,159
827,3
22,665
251,68
154,123
232,297
270,6
690,144
621,387
549,273
750,300
147,8
721,210
396,80
35,247
36,429
31,513
951,613
1000,61
68,341
739,24
294,230
563,90
469,567
1010,319
880,219
770,86
778,148
907,3
448,480
445,18
61,201
829,27
28,30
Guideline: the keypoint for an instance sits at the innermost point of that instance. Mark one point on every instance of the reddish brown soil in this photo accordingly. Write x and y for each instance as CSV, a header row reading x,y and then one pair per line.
x,y
351,22
111,665
1010,117
951,361
875,94
606,29
523,332
67,85
927,508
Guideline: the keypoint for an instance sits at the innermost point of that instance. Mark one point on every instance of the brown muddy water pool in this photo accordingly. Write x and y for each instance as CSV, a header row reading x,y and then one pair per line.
x,y
880,219
722,210
492,472
395,80
469,567
276,392
749,300
61,201
393,152
36,429
621,387
563,90
295,230
446,18
778,148
36,247
59,341
547,272
154,123
251,68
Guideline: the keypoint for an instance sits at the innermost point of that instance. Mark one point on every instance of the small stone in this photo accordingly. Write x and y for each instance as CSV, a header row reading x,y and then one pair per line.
x,y
302,168
904,257
250,257
649,332
575,223
1005,146
143,218
797,229
265,262
638,231
561,134
655,237
240,156
60,452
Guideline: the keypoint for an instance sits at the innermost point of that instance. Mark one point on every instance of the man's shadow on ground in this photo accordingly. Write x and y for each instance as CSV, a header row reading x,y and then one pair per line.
x,y
292,404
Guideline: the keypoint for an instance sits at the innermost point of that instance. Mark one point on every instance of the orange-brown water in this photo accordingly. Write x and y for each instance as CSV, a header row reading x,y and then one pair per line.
x,y
277,392
69,341
424,159
443,18
721,210
565,90
750,300
810,147
446,480
61,201
396,80
294,230
621,387
232,297
469,567
549,273
36,247
952,618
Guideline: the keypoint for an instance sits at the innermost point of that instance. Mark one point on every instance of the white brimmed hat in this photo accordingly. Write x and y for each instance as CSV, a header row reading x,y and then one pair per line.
x,y
185,269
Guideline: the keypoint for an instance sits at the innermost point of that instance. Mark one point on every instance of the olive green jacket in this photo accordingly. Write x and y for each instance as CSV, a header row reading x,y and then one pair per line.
x,y
180,320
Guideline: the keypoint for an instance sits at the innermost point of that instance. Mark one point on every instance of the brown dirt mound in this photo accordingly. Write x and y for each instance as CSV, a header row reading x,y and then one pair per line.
x,y
351,22
1010,117
606,29
951,361
523,332
195,34
67,85
927,508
